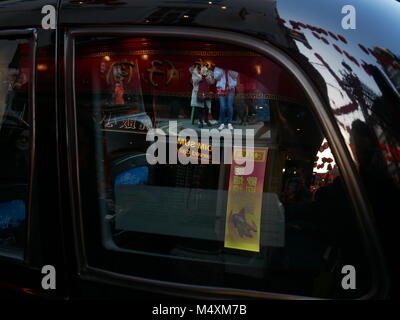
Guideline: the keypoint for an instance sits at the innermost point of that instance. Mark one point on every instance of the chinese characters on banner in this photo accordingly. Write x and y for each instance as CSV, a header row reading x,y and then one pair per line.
x,y
243,213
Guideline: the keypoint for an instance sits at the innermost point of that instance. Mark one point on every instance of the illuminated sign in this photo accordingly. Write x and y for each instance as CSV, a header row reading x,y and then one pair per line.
x,y
243,213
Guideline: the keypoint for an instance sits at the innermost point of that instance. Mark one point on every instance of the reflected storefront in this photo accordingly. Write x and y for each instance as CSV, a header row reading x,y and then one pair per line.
x,y
159,81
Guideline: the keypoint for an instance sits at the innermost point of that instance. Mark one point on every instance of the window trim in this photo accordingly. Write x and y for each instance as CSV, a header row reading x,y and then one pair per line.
x,y
28,34
380,281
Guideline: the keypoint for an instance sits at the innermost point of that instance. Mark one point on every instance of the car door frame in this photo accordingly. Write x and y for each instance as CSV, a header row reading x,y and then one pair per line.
x,y
380,281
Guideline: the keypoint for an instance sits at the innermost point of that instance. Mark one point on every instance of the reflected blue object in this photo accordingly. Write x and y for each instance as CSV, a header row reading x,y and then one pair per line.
x,y
262,110
12,214
135,176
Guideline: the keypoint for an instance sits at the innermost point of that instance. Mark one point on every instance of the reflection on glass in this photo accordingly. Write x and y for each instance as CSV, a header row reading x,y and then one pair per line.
x,y
275,228
14,143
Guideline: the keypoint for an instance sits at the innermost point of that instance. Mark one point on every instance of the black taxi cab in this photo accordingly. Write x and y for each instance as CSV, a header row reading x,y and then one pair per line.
x,y
122,172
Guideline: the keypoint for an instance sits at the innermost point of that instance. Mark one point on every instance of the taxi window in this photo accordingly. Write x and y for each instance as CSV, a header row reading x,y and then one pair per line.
x,y
270,214
15,142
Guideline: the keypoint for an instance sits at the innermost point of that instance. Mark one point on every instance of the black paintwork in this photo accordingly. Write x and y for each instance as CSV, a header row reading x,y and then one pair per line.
x,y
344,64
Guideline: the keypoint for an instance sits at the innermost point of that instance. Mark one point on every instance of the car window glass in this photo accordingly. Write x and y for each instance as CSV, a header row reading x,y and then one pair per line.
x,y
15,142
171,213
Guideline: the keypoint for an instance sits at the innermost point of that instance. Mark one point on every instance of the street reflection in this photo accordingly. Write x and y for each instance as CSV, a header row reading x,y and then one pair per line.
x,y
362,83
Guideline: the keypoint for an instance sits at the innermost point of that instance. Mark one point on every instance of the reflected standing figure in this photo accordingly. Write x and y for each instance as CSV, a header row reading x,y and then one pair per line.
x,y
226,81
202,79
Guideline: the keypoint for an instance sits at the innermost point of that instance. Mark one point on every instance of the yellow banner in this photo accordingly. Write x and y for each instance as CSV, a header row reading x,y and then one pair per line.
x,y
243,213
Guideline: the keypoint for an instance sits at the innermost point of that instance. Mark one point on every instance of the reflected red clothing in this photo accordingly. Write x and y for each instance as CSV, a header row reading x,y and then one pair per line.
x,y
119,95
204,89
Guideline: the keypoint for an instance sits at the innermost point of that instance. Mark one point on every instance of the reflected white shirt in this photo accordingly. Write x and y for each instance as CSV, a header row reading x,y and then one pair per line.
x,y
220,76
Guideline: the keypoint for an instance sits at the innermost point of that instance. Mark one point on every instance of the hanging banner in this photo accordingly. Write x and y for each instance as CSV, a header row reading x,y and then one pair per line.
x,y
245,194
